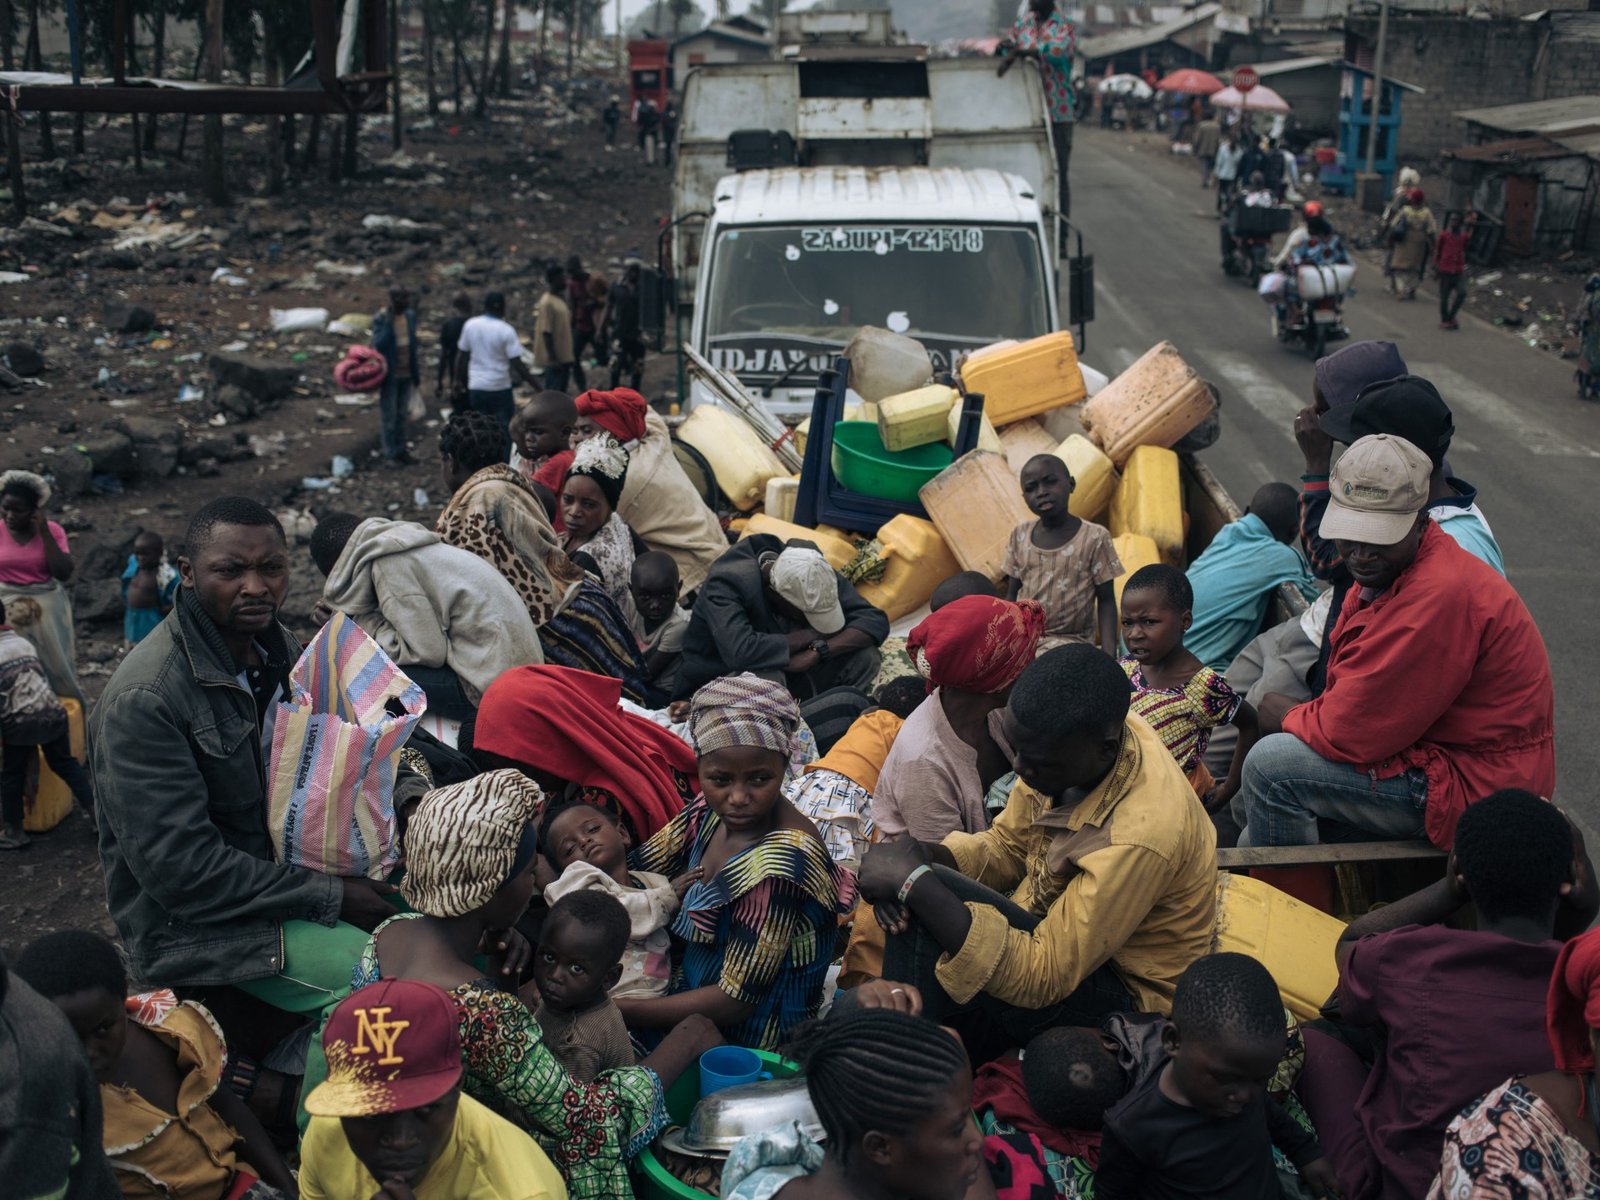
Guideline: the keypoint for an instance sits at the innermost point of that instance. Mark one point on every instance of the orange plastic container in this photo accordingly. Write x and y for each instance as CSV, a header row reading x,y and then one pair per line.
x,y
1026,379
51,800
975,503
918,561
1153,403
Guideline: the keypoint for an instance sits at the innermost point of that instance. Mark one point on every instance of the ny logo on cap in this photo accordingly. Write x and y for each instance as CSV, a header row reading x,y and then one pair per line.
x,y
374,1024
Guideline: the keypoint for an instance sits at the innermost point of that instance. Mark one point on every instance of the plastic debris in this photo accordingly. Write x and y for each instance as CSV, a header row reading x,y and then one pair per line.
x,y
420,497
295,320
328,267
315,484
235,347
188,394
227,276
14,277
342,467
354,399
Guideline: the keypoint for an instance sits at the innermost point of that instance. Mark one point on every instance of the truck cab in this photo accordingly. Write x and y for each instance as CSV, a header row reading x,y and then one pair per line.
x,y
850,184
794,260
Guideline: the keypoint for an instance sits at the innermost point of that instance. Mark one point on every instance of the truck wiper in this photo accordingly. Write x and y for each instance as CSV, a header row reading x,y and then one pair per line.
x,y
767,391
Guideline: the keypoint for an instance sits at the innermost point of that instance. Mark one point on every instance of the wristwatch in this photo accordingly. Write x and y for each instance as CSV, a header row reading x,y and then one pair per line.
x,y
822,648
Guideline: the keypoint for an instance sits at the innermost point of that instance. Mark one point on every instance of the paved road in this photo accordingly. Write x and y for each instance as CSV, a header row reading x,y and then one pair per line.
x,y
1531,447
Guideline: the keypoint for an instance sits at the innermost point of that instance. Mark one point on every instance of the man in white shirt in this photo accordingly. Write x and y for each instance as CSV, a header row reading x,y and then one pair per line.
x,y
487,357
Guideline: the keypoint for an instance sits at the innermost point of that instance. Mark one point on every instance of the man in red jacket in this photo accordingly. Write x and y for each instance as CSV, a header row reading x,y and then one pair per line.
x,y
1439,688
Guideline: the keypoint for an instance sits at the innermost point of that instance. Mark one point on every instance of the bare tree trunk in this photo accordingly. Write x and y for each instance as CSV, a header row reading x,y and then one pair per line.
x,y
213,167
158,64
275,152
502,66
352,128
33,60
481,106
394,70
428,52
19,198
313,141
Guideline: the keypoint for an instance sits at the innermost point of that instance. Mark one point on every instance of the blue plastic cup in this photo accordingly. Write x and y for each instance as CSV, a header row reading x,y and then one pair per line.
x,y
729,1066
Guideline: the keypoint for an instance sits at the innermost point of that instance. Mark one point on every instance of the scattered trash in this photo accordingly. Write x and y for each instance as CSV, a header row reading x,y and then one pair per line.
x,y
420,497
268,447
356,325
226,275
313,483
188,394
1489,278
106,375
296,320
381,221
353,270
106,485
236,346
14,277
342,467
189,358
354,399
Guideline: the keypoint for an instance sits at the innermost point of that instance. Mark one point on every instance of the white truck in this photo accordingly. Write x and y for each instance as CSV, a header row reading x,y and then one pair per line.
x,y
845,185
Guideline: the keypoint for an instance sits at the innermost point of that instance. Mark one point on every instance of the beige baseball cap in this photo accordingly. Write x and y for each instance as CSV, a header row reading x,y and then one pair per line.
x,y
806,580
1378,487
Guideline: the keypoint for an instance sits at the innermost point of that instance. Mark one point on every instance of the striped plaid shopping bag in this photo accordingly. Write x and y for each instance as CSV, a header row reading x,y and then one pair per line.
x,y
335,750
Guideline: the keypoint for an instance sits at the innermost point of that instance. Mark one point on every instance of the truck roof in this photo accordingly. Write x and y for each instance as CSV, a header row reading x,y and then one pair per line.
x,y
935,194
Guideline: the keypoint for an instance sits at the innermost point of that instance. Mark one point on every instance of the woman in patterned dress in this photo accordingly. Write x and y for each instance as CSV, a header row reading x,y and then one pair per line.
x,y
1538,1137
759,921
470,856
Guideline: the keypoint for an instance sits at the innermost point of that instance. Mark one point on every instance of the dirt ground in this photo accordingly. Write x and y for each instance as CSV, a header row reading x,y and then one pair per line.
x,y
129,449
1532,299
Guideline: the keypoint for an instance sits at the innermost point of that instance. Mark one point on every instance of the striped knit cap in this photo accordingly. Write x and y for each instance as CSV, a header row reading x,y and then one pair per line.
x,y
462,840
742,710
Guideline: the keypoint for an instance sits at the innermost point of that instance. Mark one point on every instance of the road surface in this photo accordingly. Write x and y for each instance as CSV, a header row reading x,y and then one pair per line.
x,y
1522,436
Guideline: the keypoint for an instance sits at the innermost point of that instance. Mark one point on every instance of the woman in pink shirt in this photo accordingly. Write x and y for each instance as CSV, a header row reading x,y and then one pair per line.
x,y
35,564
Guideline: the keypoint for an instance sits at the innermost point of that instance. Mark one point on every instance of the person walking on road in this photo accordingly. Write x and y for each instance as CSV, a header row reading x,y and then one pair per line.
x,y
611,118
394,335
1410,236
450,344
627,329
1229,155
552,332
1207,141
1449,264
648,118
1048,36
583,310
488,355
669,132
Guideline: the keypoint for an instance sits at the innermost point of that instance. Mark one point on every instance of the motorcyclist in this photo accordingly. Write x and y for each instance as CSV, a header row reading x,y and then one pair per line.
x,y
1297,235
1322,247
1256,194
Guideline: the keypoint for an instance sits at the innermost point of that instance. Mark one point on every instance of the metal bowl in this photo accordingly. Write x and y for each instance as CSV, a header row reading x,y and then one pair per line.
x,y
722,1118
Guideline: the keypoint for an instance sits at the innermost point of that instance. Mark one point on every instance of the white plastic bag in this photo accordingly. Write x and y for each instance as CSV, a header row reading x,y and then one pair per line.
x,y
1272,285
416,407
297,320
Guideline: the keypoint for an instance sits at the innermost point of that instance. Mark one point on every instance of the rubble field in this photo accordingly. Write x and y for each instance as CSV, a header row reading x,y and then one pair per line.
x,y
156,351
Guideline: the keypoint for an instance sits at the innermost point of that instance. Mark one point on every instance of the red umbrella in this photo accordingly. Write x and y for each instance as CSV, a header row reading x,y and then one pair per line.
x,y
1190,82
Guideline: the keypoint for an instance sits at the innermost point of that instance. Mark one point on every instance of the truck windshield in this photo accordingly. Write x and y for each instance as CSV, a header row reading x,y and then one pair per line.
x,y
778,295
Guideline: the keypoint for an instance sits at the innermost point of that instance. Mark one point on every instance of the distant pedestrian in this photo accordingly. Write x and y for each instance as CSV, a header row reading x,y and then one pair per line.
x,y
627,329
611,118
394,335
648,119
669,132
487,357
1449,264
1410,235
583,309
552,332
1207,141
1049,37
1229,155
450,342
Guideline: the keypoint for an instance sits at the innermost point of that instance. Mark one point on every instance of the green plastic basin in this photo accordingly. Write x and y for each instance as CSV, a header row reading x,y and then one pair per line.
x,y
861,463
654,1180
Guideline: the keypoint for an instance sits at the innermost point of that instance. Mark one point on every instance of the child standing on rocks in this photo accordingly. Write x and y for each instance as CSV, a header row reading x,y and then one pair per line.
x,y
148,585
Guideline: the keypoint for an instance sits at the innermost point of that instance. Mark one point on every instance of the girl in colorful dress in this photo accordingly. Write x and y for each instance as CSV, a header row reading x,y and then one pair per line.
x,y
1181,697
759,920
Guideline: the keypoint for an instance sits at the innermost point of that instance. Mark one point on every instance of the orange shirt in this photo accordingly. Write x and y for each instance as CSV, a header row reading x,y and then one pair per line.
x,y
859,754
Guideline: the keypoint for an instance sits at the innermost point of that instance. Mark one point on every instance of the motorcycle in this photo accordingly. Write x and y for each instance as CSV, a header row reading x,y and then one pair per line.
x,y
1248,256
1315,315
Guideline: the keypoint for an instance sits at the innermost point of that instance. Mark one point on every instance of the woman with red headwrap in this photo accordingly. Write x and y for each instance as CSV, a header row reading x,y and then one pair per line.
x,y
658,501
1410,235
1539,1135
944,760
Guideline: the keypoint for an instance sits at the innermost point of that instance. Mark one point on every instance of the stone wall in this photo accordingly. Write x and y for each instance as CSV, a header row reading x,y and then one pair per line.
x,y
1470,63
